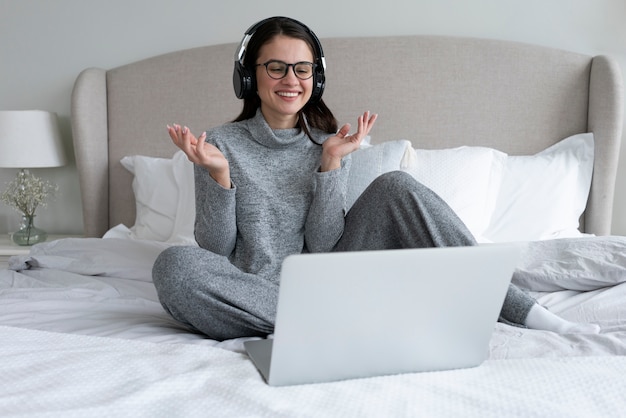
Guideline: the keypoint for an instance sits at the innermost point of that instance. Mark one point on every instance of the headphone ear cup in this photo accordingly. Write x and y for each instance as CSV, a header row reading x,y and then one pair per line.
x,y
319,82
243,81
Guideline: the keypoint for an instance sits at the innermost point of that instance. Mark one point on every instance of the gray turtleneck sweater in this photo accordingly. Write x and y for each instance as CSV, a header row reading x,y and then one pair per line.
x,y
279,203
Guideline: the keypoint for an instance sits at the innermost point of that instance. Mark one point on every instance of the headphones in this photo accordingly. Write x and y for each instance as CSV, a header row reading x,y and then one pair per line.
x,y
244,81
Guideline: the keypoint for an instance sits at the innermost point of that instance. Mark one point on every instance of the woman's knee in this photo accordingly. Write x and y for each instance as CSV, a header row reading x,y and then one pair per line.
x,y
171,280
398,182
162,263
394,177
168,267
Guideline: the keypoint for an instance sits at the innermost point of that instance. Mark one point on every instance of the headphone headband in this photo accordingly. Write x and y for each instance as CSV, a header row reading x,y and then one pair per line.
x,y
244,82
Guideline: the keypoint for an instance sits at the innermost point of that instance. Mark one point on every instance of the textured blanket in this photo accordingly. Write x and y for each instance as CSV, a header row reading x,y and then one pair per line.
x,y
53,374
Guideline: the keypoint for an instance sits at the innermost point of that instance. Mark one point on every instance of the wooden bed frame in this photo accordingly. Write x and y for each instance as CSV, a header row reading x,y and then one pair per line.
x,y
438,92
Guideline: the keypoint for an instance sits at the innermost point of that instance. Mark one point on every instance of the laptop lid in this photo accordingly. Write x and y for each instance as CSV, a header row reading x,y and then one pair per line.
x,y
369,313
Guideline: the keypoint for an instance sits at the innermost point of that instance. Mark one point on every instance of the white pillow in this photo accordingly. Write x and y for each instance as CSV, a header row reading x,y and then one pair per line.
x,y
164,196
183,231
498,198
370,161
467,178
584,264
164,188
543,196
156,196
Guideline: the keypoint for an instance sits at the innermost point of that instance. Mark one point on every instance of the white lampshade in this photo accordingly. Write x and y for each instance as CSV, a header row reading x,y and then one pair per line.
x,y
30,139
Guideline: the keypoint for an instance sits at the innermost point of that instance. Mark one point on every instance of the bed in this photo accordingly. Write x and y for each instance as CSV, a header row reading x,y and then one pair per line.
x,y
521,140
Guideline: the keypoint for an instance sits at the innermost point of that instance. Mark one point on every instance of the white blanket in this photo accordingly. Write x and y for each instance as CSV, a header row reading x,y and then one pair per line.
x,y
48,374
83,334
103,287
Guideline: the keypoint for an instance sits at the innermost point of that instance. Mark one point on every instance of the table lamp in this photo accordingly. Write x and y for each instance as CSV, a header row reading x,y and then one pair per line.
x,y
29,139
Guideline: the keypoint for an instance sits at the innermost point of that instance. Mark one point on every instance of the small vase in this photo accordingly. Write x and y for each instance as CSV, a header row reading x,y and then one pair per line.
x,y
29,234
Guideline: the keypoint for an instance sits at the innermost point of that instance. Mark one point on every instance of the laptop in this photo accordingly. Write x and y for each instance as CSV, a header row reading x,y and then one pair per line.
x,y
370,313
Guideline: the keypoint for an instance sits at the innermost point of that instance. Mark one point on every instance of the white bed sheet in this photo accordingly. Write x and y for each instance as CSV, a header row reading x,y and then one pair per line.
x,y
79,376
102,287
92,286
85,315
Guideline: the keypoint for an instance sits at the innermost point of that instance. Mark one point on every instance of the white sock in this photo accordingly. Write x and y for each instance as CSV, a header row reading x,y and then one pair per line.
x,y
541,318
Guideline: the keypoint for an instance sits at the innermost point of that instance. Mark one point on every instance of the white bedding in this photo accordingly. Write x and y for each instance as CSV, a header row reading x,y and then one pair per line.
x,y
91,286
80,376
82,327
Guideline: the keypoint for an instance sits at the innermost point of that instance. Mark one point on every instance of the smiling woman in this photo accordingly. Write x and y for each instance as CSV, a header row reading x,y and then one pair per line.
x,y
276,177
274,183
283,93
248,62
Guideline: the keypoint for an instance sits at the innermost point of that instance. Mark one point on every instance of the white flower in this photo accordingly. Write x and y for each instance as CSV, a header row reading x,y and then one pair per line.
x,y
27,192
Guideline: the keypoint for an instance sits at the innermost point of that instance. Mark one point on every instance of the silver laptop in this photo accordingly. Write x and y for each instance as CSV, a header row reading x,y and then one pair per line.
x,y
370,313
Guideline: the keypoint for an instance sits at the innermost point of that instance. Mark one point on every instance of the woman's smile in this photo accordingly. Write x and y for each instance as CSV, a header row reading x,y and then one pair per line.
x,y
282,98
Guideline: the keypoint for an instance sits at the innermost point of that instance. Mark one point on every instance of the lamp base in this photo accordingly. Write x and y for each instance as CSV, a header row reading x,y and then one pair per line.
x,y
29,234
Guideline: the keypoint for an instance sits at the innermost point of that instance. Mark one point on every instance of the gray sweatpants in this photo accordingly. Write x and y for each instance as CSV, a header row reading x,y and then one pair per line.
x,y
208,293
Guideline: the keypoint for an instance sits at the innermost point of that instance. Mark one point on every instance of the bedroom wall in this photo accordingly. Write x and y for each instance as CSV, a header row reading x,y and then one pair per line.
x,y
45,44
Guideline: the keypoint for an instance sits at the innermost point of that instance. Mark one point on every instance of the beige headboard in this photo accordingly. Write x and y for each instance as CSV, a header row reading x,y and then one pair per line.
x,y
438,92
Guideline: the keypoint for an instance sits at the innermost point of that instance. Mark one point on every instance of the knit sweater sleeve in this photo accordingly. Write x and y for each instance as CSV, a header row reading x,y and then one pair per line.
x,y
325,220
215,225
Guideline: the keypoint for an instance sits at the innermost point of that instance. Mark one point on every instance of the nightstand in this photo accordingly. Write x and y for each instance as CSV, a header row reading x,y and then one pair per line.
x,y
8,248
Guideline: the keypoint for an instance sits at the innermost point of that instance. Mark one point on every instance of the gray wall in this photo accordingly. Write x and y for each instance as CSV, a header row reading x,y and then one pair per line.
x,y
44,44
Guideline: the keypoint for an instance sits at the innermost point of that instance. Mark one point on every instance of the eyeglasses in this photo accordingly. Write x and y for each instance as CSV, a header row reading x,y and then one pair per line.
x,y
278,69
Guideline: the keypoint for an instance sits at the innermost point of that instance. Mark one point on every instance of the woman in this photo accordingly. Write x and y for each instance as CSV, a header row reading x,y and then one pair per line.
x,y
273,183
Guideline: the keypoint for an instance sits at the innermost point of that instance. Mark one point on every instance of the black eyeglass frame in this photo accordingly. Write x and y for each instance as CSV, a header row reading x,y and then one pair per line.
x,y
293,67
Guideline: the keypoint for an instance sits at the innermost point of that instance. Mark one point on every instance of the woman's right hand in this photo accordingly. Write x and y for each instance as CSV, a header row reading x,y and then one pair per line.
x,y
202,153
342,144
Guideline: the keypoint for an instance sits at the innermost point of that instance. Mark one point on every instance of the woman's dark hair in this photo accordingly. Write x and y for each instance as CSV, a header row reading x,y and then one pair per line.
x,y
317,114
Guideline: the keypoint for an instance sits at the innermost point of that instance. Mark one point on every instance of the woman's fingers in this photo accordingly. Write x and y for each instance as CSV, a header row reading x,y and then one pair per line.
x,y
172,133
366,122
343,131
183,138
181,135
201,143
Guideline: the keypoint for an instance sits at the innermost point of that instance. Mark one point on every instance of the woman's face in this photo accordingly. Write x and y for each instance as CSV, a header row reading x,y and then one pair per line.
x,y
282,99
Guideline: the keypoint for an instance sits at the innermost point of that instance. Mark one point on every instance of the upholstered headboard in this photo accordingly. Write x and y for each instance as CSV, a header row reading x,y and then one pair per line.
x,y
437,92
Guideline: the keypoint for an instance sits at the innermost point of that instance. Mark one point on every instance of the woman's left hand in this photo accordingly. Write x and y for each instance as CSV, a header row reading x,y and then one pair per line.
x,y
338,146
